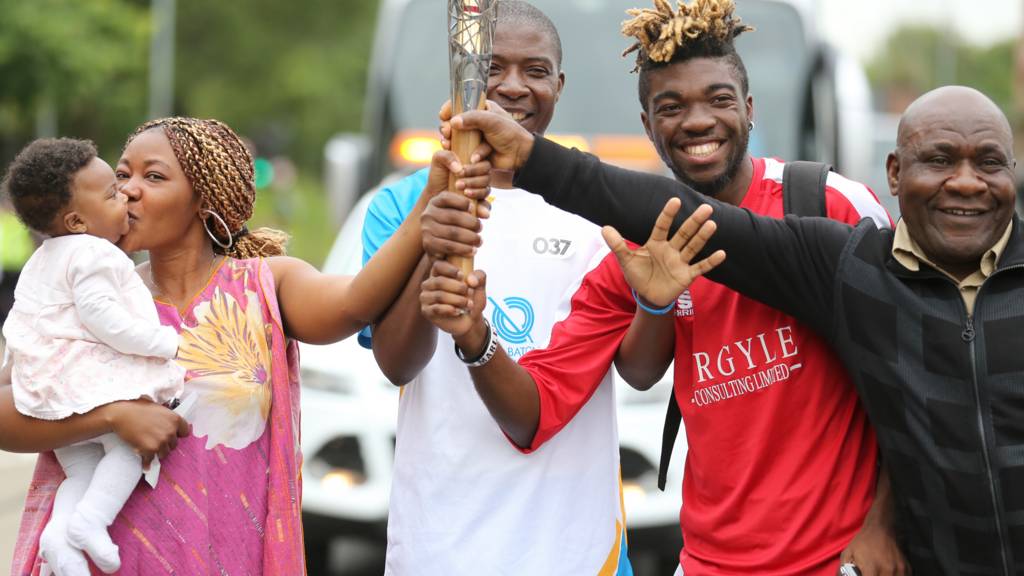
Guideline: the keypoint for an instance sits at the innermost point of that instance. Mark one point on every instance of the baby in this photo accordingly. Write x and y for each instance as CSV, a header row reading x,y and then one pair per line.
x,y
83,332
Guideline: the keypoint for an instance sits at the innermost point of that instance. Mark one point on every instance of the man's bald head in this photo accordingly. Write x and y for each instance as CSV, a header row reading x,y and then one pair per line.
x,y
950,101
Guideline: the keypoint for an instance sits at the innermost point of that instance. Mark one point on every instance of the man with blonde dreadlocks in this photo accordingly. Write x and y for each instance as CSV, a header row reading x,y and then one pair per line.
x,y
780,476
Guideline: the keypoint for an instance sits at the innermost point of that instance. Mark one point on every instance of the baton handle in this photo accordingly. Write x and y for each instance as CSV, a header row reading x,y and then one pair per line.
x,y
464,142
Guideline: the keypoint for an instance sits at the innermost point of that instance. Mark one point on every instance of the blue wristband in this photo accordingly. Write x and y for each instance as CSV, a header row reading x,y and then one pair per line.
x,y
649,310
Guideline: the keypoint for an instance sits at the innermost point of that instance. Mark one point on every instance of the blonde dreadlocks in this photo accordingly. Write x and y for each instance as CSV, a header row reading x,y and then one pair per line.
x,y
700,29
660,31
220,169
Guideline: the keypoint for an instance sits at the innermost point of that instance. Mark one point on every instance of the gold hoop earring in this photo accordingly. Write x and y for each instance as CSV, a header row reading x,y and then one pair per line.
x,y
206,226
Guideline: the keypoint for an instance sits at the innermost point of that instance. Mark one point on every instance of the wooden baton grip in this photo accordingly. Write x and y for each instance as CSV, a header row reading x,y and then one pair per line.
x,y
463,144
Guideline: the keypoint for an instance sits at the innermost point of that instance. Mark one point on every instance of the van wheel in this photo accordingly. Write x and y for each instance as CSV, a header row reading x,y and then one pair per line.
x,y
318,554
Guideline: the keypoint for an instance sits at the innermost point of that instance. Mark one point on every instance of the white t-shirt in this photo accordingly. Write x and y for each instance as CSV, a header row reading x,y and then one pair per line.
x,y
84,332
464,499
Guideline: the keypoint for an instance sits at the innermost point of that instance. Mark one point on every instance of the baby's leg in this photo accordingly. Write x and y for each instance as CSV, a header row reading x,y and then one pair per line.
x,y
79,462
113,482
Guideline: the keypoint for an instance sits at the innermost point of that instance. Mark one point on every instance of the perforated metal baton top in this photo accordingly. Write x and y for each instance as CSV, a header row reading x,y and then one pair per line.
x,y
470,38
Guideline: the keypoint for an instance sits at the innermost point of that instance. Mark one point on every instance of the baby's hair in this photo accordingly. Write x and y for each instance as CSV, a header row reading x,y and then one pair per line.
x,y
39,179
220,169
700,29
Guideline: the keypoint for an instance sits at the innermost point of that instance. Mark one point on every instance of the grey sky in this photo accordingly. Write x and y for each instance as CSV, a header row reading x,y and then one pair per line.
x,y
860,26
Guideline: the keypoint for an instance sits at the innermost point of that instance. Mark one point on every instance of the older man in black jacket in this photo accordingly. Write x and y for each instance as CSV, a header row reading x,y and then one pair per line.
x,y
928,318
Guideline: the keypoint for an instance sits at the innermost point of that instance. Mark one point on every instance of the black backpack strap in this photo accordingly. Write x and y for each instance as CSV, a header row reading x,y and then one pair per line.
x,y
668,438
803,194
803,188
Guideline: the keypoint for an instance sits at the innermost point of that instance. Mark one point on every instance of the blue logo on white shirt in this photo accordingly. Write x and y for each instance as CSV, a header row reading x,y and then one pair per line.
x,y
513,321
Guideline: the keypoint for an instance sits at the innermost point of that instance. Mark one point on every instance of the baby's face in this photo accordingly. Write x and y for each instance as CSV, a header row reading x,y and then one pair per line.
x,y
99,203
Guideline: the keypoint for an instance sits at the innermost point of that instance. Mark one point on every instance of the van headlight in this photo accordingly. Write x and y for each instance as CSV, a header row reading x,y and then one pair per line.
x,y
639,477
338,465
339,480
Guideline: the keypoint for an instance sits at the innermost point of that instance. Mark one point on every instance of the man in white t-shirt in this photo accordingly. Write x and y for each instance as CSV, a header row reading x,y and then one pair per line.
x,y
466,500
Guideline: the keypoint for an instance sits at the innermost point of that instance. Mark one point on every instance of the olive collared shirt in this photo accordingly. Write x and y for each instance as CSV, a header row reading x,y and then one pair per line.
x,y
906,251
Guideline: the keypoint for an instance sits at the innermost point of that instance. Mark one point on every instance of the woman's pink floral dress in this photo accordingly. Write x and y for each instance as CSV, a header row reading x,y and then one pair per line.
x,y
228,497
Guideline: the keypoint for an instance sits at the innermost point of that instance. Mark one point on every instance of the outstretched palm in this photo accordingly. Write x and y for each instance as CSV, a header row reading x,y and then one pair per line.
x,y
661,269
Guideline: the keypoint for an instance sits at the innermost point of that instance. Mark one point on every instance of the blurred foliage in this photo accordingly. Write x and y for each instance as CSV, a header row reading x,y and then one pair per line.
x,y
76,67
286,74
917,58
301,211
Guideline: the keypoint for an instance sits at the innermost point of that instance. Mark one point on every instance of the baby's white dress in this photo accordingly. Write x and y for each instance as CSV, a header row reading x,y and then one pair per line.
x,y
84,332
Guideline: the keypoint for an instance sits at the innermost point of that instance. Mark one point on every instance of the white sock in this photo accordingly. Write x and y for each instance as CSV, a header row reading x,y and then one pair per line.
x,y
112,483
63,558
91,537
79,463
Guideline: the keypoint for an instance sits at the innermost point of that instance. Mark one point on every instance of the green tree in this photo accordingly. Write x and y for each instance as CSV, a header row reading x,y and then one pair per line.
x,y
917,58
287,75
80,64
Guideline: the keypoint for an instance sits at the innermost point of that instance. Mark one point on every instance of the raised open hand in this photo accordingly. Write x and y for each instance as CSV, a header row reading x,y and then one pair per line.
x,y
661,269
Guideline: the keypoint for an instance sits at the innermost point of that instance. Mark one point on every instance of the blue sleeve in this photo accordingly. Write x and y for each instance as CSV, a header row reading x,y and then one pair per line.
x,y
385,214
